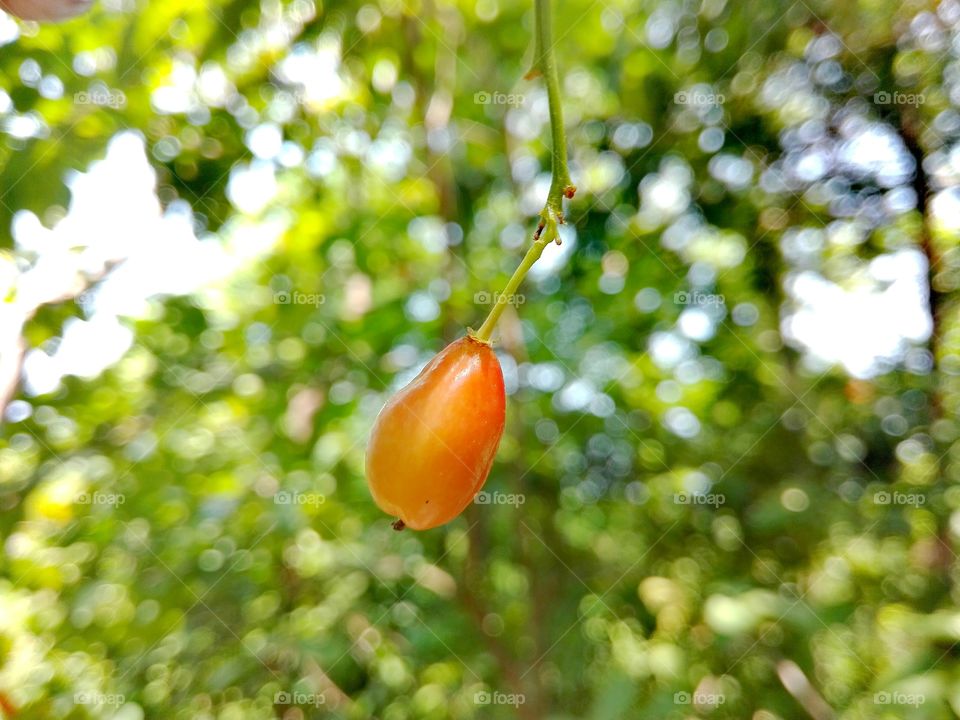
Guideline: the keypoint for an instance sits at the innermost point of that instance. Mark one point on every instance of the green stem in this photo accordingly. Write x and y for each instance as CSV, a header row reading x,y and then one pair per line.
x,y
560,186
533,254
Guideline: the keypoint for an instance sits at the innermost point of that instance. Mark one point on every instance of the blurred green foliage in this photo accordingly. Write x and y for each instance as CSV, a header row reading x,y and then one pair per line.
x,y
713,523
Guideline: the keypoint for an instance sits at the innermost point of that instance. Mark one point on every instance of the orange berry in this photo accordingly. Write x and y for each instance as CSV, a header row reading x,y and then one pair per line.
x,y
433,443
46,10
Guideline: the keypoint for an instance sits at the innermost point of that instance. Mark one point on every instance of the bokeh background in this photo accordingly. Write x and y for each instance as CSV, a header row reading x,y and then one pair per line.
x,y
730,481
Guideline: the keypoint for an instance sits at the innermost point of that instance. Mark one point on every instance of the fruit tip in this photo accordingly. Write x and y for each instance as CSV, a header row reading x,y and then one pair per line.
x,y
398,525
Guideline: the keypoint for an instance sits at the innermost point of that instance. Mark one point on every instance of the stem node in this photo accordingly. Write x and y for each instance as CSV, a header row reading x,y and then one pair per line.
x,y
560,186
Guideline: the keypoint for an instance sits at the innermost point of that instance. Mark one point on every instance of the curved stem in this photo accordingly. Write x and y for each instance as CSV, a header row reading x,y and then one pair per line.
x,y
500,303
560,186
545,63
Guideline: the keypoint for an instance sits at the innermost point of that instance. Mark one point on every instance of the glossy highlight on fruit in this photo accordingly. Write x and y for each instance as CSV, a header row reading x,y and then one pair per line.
x,y
433,443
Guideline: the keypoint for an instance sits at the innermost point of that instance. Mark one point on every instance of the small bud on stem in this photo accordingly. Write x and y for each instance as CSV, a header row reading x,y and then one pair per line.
x,y
560,186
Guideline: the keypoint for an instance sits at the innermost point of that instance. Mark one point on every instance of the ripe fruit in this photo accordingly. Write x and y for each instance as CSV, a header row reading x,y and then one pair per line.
x,y
46,10
433,443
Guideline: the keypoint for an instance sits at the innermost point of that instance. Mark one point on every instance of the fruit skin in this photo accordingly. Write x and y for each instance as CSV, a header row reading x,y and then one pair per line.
x,y
432,445
46,10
